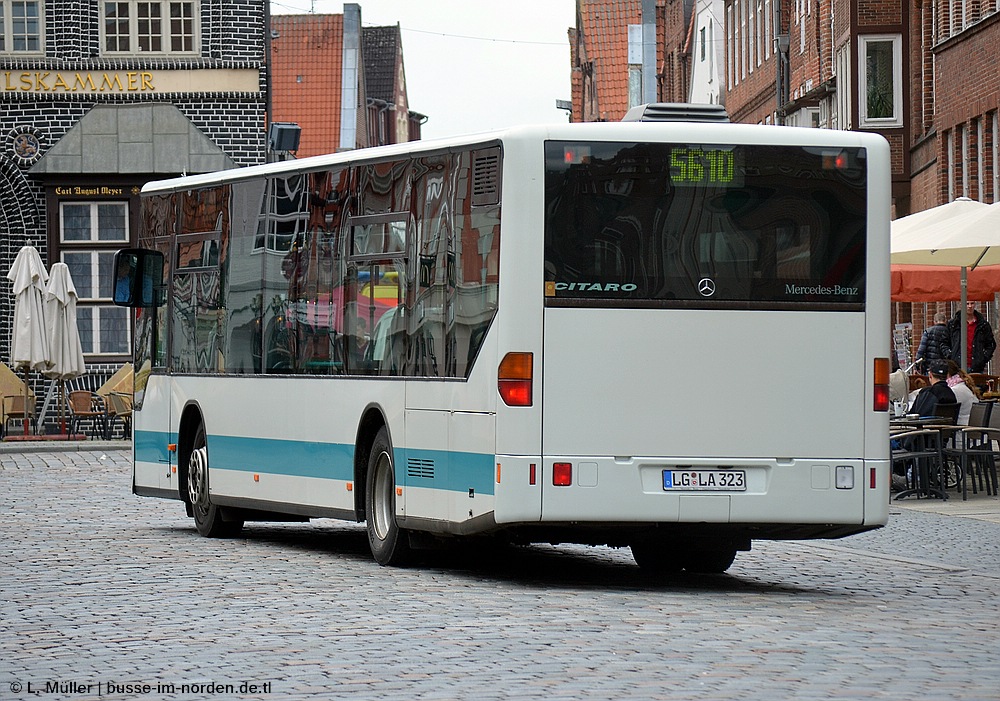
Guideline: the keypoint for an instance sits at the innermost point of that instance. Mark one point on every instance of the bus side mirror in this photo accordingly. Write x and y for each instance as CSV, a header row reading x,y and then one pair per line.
x,y
138,278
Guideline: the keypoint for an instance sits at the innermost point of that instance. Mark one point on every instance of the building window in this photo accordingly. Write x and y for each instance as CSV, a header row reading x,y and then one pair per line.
x,y
767,28
90,233
980,161
804,117
843,107
950,171
21,21
149,26
995,155
881,89
730,49
963,157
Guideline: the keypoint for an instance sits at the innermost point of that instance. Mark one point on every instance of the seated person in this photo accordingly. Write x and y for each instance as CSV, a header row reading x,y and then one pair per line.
x,y
965,391
937,392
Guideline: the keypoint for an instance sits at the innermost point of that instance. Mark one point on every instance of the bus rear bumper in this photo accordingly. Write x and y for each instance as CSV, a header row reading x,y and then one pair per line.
x,y
805,497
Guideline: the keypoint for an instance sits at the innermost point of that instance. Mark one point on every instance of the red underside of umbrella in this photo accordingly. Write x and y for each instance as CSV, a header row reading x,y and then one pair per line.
x,y
928,283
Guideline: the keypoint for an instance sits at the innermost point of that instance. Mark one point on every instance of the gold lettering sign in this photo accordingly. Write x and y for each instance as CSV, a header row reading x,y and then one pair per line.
x,y
125,82
100,191
69,82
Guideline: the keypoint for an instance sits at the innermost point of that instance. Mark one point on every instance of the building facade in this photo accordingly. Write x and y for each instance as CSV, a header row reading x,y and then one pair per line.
x,y
343,84
630,52
955,102
98,99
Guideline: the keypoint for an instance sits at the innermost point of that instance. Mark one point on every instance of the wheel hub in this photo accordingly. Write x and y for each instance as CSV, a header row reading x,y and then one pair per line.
x,y
196,479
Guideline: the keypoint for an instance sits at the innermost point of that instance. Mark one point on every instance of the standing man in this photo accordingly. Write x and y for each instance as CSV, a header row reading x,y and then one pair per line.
x,y
977,337
935,343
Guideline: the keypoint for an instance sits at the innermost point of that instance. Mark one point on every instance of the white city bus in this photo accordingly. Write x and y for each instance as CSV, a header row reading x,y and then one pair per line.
x,y
670,336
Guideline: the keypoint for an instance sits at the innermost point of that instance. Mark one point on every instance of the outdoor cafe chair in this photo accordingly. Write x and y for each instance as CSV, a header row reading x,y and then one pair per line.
x,y
978,451
918,452
13,410
85,405
119,407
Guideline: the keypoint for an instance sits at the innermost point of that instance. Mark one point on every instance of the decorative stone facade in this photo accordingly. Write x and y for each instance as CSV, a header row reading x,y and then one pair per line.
x,y
206,72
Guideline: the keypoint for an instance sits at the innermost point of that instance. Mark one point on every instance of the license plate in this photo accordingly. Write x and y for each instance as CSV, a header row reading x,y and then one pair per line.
x,y
705,480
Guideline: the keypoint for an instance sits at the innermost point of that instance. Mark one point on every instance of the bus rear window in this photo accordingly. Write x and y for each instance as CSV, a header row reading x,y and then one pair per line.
x,y
725,225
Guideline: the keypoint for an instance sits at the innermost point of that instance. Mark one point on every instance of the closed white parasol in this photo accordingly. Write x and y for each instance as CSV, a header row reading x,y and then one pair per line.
x,y
29,347
65,349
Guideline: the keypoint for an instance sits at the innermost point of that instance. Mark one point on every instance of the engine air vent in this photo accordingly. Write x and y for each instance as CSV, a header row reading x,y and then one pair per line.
x,y
420,468
486,176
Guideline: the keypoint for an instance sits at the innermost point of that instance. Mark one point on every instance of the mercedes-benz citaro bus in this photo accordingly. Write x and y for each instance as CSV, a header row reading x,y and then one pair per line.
x,y
668,335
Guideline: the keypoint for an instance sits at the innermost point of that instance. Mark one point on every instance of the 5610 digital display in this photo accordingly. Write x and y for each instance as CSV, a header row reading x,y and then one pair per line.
x,y
692,165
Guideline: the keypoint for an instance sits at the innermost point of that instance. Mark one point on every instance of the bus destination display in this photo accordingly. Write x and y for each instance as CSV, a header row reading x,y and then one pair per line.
x,y
696,165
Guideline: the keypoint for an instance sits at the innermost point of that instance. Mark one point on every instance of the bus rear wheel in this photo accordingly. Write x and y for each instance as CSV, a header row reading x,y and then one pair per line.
x,y
709,560
207,516
390,544
663,558
655,558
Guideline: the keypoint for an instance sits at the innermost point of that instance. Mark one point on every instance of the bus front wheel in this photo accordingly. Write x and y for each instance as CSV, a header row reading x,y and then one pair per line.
x,y
207,516
390,544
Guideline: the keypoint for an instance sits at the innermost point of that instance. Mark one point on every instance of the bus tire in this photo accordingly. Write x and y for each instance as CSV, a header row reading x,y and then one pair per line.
x,y
207,516
709,560
655,557
390,544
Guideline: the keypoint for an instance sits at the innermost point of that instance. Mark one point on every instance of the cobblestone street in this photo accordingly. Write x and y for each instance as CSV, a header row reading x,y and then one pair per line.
x,y
105,589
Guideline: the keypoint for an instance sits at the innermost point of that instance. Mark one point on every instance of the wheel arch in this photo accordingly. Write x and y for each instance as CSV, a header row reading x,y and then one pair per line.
x,y
191,418
372,419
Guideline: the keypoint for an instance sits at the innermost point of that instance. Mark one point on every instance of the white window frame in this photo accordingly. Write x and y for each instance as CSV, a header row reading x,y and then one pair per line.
x,y
844,92
166,34
731,79
94,223
92,301
963,130
743,39
980,176
95,303
768,20
896,120
7,28
950,157
995,127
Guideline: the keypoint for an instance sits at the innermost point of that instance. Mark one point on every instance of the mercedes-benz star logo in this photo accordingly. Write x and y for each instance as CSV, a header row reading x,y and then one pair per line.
x,y
706,286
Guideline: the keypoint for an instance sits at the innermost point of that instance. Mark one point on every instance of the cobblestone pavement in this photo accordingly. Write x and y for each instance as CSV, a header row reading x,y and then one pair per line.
x,y
105,589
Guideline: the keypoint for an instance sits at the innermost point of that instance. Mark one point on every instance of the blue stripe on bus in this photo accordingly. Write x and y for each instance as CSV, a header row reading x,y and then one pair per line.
x,y
431,469
151,446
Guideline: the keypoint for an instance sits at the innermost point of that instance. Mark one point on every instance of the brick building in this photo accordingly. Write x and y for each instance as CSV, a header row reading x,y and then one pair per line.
x,y
920,73
611,72
101,97
342,83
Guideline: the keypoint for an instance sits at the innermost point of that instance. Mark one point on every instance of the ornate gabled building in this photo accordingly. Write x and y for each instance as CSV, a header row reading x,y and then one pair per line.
x,y
101,97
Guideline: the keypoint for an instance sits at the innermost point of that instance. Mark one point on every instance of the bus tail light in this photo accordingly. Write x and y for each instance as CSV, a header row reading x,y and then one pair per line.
x,y
514,379
881,384
562,474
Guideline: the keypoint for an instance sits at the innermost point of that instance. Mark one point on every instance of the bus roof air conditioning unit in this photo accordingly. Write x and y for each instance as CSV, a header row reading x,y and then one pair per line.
x,y
676,112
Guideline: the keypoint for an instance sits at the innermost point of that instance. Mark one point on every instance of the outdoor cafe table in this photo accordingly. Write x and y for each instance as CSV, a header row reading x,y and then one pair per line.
x,y
921,482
